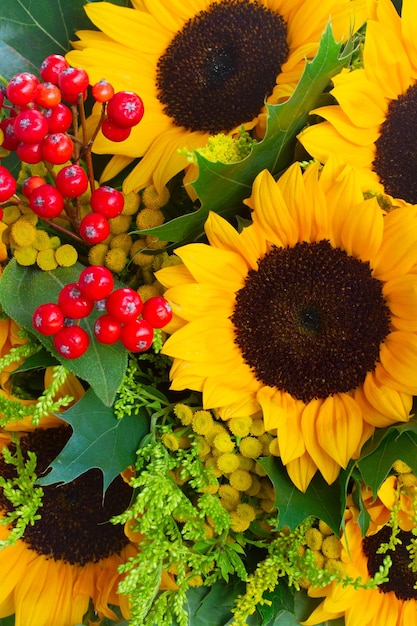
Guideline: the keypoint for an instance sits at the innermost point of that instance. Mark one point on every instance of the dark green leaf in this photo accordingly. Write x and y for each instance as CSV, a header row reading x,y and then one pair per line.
x,y
22,289
30,31
98,439
320,500
40,360
233,181
211,607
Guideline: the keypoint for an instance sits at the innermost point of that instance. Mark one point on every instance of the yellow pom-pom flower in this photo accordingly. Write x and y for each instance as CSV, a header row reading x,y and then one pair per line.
x,y
119,224
332,547
240,480
45,259
97,254
138,256
42,240
66,255
123,241
170,441
223,442
183,412
237,523
250,447
132,203
257,427
115,260
227,462
23,232
202,422
154,200
149,218
240,426
229,494
25,256
313,538
246,511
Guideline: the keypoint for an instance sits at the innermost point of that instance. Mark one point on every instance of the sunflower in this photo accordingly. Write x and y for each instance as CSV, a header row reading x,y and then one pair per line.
x,y
373,125
307,315
392,603
201,67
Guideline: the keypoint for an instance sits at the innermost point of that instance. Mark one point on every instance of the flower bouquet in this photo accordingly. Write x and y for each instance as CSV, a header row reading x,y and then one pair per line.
x,y
208,332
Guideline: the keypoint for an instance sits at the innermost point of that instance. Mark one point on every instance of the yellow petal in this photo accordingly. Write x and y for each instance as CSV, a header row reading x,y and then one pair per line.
x,y
398,357
339,427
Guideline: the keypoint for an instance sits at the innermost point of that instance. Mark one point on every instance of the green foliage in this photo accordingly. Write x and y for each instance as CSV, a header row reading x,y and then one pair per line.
x,y
23,495
232,182
22,289
320,499
98,439
29,31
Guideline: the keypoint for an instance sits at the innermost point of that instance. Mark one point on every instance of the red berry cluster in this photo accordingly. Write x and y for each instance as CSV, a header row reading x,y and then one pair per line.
x,y
124,315
41,114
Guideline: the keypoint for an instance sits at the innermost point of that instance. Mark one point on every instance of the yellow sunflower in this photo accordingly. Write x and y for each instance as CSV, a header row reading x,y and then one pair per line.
x,y
393,603
373,125
308,314
201,67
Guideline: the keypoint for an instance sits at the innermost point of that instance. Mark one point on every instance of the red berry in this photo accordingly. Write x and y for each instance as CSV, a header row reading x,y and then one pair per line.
x,y
10,141
73,98
59,118
46,201
72,181
124,304
32,183
21,88
48,319
71,342
96,282
107,329
94,228
7,184
52,66
73,303
29,152
157,311
137,336
73,81
30,126
102,91
57,148
115,133
125,109
107,201
47,95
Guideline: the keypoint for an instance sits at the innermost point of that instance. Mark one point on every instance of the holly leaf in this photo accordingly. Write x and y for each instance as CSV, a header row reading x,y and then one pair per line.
x,y
30,31
99,440
22,289
320,499
233,181
398,442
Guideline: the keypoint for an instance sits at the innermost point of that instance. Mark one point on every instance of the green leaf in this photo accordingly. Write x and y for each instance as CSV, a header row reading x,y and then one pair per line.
x,y
99,440
30,31
211,607
320,500
22,289
398,443
233,181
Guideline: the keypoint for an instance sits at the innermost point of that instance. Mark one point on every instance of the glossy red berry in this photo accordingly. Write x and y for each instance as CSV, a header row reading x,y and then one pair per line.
x,y
73,81
106,329
72,181
32,183
107,201
125,109
30,126
102,91
96,282
137,336
21,88
115,133
59,118
7,184
48,319
157,311
57,148
29,152
10,141
94,228
73,303
47,95
46,201
71,342
52,66
124,304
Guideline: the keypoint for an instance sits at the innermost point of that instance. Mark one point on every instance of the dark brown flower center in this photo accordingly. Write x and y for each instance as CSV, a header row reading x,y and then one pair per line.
x,y
220,67
74,525
402,579
310,320
396,148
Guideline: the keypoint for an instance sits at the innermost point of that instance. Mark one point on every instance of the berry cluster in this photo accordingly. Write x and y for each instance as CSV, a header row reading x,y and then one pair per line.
x,y
124,317
41,123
